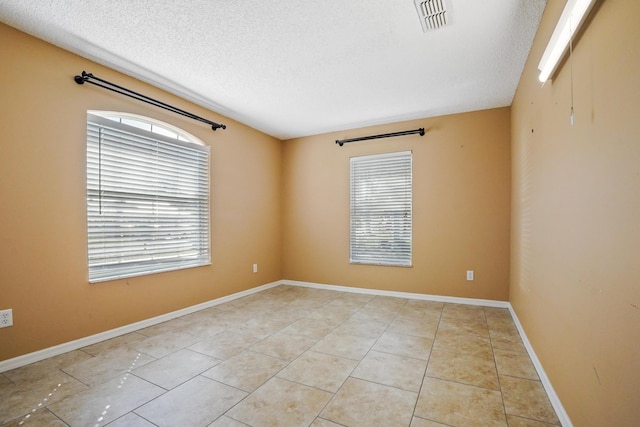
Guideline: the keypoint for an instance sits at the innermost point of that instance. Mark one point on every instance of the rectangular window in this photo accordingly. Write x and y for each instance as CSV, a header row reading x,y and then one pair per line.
x,y
147,201
381,196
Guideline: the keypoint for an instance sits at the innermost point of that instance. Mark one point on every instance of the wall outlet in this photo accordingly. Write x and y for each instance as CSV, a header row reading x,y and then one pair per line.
x,y
255,268
469,275
6,318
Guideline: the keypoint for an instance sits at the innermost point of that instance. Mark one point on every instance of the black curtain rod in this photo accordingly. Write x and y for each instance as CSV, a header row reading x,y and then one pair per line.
x,y
341,142
90,78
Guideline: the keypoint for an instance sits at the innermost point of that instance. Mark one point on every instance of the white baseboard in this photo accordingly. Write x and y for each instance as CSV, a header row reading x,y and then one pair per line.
x,y
36,356
553,397
39,355
427,297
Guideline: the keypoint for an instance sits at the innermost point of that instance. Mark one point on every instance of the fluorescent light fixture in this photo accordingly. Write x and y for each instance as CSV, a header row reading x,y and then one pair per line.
x,y
572,17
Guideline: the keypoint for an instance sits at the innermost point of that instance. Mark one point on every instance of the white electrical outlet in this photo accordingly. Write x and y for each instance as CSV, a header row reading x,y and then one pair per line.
x,y
255,268
6,318
469,275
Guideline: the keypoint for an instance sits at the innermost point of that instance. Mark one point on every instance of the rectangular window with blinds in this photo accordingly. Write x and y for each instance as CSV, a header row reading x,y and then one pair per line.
x,y
147,201
381,199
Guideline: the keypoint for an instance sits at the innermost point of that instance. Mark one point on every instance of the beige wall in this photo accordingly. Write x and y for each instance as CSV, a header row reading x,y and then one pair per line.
x,y
461,207
43,267
575,263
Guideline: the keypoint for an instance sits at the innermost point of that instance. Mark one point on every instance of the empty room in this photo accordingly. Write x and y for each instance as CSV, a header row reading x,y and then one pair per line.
x,y
410,213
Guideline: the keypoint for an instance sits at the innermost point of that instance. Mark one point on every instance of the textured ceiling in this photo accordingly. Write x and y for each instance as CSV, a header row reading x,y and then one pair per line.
x,y
293,68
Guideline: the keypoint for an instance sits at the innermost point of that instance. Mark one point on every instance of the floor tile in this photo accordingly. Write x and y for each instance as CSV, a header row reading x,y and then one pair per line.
x,y
422,306
515,364
174,325
350,300
420,422
4,380
310,328
224,345
428,315
176,368
320,422
206,314
130,420
472,326
361,328
126,341
233,305
404,345
105,402
19,400
497,313
463,311
392,370
525,422
363,403
226,318
281,403
419,327
259,327
319,370
456,341
289,314
333,314
198,402
283,346
502,324
44,367
459,404
161,345
107,366
383,303
348,346
247,370
463,368
225,421
375,314
203,328
527,399
180,326
5,384
508,342
41,417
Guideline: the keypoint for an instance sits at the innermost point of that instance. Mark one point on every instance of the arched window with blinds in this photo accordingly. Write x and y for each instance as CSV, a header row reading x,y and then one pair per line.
x,y
147,197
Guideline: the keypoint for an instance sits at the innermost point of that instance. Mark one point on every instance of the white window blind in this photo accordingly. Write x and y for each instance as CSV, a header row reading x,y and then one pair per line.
x,y
147,201
381,196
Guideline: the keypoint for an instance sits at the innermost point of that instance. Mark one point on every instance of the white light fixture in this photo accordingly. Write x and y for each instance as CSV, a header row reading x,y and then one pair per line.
x,y
572,17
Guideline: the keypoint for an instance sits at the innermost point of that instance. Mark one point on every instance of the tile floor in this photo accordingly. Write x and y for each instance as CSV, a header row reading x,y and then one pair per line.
x,y
293,356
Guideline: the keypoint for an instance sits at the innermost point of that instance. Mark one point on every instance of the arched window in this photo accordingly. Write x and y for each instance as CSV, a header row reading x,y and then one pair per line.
x,y
147,197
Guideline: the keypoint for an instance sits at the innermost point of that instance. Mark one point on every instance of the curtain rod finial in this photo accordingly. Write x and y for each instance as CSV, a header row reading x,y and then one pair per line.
x,y
83,77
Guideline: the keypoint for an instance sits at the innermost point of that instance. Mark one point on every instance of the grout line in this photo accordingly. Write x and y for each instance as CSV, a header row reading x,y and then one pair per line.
x,y
495,364
426,368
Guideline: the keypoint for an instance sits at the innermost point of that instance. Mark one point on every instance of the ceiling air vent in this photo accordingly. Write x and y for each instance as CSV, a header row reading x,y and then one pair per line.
x,y
433,14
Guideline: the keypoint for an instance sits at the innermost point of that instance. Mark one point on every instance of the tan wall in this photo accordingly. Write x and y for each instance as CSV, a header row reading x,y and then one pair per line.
x,y
461,185
575,264
43,250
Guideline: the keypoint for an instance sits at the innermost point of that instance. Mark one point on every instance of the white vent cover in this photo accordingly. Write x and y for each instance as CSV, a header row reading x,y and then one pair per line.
x,y
433,14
